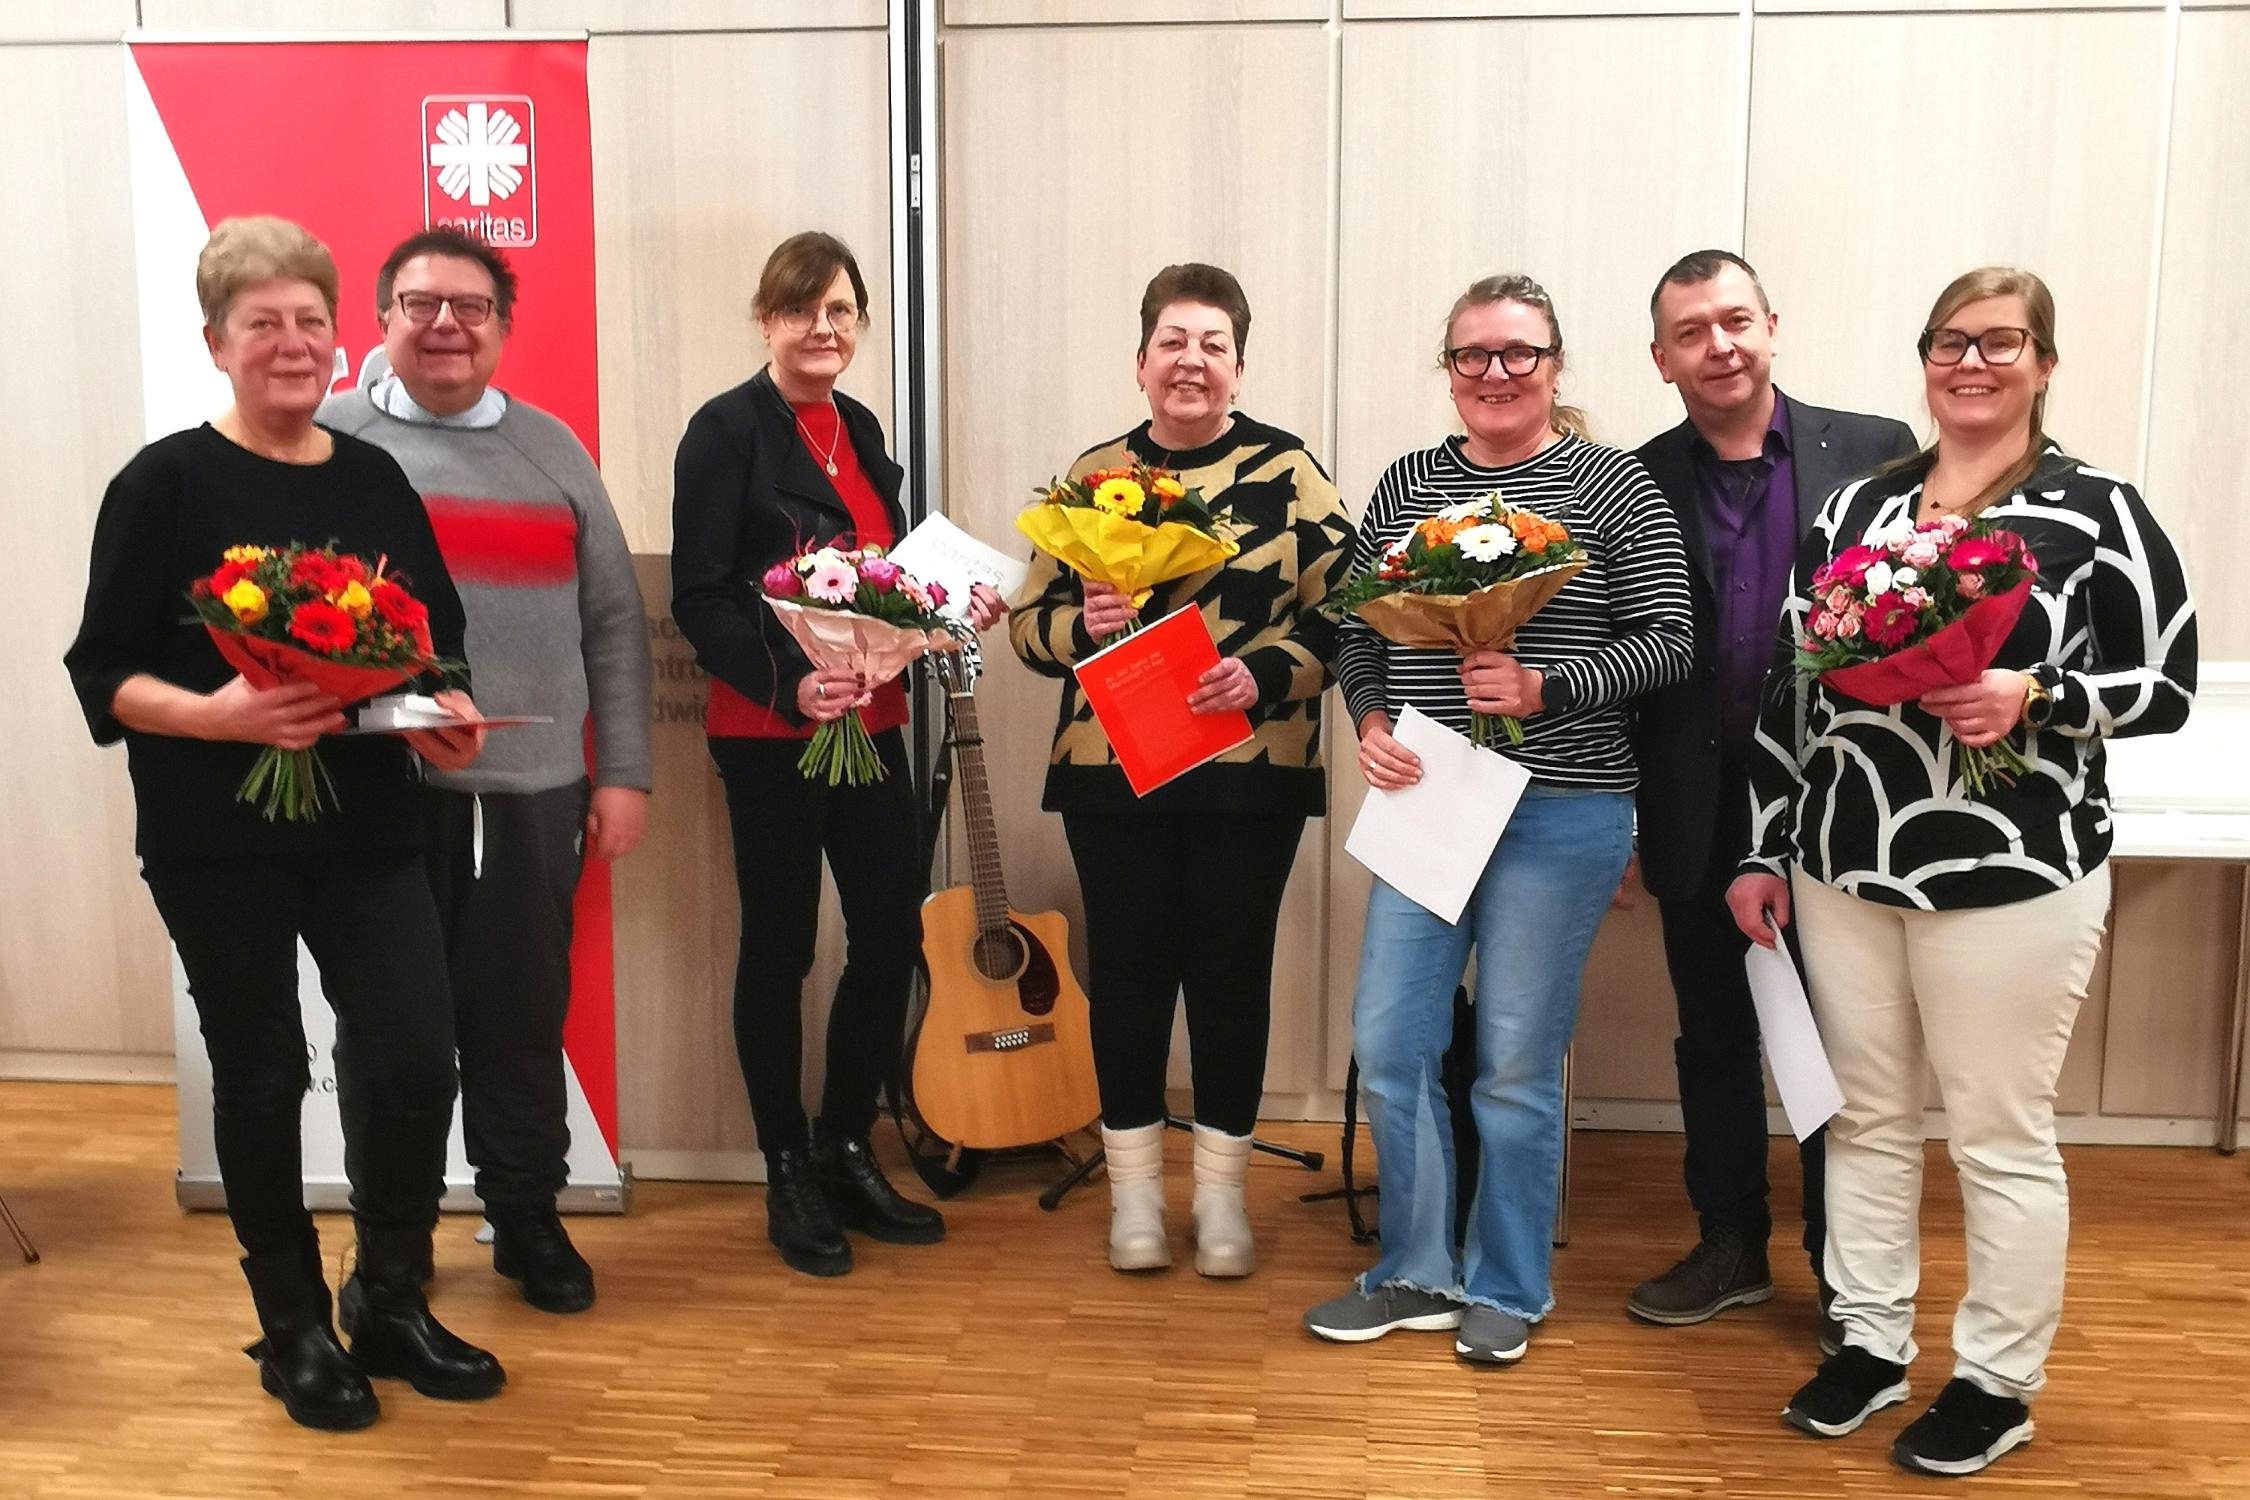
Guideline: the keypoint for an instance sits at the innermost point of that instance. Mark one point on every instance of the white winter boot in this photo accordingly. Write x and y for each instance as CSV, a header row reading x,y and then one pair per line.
x,y
1135,1159
1220,1223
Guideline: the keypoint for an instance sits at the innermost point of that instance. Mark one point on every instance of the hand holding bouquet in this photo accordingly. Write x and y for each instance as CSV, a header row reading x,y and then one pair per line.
x,y
1131,528
853,611
1915,607
311,615
1464,580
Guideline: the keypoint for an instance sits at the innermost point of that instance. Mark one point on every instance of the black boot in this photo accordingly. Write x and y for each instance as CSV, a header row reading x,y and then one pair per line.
x,y
531,1246
299,1361
864,1199
798,1219
392,1331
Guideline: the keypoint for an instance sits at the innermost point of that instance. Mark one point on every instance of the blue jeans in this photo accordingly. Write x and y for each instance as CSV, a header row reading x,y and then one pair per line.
x,y
1531,920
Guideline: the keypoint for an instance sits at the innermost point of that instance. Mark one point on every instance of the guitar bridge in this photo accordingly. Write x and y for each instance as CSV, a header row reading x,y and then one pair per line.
x,y
1014,1039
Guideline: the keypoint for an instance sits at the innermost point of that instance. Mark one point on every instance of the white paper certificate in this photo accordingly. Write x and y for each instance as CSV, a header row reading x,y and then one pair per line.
x,y
937,551
1801,1074
1432,840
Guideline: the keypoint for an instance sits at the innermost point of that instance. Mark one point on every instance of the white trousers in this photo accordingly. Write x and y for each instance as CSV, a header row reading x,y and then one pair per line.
x,y
1985,997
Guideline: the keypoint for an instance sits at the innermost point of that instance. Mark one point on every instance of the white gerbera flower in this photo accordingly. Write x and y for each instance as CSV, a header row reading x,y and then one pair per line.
x,y
1468,508
1486,543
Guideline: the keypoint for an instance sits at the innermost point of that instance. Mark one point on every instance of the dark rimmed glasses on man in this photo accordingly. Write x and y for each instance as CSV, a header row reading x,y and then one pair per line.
x,y
470,311
1471,360
1995,346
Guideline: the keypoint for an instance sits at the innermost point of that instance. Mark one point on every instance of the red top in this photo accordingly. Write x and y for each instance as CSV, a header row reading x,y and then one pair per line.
x,y
729,715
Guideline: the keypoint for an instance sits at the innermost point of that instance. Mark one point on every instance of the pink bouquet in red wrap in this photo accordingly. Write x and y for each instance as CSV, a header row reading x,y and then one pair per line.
x,y
1915,607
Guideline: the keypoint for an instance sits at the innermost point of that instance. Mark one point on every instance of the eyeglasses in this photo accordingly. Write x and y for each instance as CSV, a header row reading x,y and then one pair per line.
x,y
422,307
1470,361
1995,346
843,317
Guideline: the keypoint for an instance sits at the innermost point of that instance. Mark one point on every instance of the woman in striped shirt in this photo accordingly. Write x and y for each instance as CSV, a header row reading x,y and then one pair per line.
x,y
1618,629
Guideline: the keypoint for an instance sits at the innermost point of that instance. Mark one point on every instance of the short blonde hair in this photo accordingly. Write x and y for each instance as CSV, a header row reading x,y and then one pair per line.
x,y
245,251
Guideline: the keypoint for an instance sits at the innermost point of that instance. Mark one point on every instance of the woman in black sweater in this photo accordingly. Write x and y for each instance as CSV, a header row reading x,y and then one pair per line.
x,y
237,891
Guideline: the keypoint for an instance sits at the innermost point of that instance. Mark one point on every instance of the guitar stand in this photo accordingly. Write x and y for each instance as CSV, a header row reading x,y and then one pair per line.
x,y
1311,1161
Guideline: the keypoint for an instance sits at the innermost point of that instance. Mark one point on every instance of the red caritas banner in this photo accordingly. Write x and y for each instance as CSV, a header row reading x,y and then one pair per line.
x,y
364,143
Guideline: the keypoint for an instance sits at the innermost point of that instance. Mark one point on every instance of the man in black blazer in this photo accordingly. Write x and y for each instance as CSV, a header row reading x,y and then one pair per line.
x,y
1745,474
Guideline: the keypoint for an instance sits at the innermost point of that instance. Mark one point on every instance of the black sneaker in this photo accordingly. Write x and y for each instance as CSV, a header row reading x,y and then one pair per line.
x,y
1849,1389
1725,1269
1828,1329
1966,1428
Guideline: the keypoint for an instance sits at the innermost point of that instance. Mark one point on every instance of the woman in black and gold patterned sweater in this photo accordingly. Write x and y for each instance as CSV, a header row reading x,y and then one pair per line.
x,y
1228,829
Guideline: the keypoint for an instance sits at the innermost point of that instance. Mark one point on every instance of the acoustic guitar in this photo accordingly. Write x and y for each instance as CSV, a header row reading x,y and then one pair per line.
x,y
1003,1057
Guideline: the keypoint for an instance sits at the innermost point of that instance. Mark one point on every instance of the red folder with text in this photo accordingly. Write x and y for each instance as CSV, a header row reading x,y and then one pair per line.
x,y
1139,688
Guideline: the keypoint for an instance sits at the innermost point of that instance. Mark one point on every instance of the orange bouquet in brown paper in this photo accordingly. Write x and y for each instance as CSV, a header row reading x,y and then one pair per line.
x,y
1465,580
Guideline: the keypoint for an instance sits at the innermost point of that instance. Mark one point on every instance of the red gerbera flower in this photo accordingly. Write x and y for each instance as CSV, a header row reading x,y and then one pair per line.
x,y
397,607
323,627
317,571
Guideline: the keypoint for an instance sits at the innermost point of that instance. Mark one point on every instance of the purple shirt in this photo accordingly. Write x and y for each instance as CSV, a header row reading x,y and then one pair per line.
x,y
1750,524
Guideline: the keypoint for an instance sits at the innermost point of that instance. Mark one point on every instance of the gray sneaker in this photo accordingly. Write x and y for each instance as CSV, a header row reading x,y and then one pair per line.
x,y
1358,1316
1489,1336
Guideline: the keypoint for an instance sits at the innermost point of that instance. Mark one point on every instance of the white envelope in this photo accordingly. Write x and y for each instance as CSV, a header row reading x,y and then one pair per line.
x,y
1807,1085
937,551
1432,840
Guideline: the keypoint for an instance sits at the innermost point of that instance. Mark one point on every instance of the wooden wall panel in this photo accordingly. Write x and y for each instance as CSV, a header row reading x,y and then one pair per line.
x,y
1866,198
698,174
1124,12
83,967
66,20
2171,977
1421,10
1058,209
2199,446
697,15
324,15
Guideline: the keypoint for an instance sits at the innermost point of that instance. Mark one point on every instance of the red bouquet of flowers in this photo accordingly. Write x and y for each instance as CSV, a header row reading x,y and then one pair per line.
x,y
310,614
1919,606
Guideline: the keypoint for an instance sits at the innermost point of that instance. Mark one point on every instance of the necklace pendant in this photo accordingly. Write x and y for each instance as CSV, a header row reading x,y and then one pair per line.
x,y
831,466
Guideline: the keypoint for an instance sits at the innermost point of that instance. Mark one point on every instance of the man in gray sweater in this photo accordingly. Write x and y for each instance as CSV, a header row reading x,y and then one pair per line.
x,y
555,628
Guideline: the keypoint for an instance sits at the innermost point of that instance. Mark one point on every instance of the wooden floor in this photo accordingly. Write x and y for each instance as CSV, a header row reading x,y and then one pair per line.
x,y
1012,1361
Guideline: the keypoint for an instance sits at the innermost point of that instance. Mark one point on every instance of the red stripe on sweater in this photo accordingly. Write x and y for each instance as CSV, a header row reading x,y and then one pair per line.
x,y
510,544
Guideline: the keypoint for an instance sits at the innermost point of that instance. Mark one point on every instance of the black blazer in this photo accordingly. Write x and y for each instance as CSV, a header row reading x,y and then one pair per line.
x,y
746,494
1683,808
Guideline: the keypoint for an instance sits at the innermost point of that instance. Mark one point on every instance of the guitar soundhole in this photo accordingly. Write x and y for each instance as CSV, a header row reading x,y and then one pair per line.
x,y
1000,955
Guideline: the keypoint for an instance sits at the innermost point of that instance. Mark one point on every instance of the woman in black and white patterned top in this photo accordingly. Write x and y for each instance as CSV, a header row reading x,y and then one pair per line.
x,y
1619,628
1954,925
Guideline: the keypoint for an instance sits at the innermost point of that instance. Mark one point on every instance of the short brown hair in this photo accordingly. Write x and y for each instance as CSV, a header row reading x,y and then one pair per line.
x,y
242,252
460,246
799,270
1193,281
1699,266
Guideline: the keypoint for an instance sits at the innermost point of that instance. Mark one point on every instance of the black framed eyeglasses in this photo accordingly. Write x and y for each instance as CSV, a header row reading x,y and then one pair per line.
x,y
470,311
1995,346
1471,360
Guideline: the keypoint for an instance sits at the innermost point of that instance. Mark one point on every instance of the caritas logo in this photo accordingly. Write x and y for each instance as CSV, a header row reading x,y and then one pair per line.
x,y
480,167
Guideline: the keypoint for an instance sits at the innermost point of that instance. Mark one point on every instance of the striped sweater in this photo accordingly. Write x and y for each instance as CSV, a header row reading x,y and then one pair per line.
x,y
555,620
1261,605
1620,628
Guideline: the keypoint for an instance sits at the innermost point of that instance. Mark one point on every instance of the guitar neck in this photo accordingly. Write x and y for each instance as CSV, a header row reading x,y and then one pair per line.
x,y
985,878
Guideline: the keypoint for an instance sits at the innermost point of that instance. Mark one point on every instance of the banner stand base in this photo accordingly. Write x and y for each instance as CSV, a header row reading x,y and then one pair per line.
x,y
199,1194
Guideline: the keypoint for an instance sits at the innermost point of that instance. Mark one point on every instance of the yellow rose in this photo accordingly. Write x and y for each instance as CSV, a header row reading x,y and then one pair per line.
x,y
353,599
247,600
1120,497
246,556
1168,487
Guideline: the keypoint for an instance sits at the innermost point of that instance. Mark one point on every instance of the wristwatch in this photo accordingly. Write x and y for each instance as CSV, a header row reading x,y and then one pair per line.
x,y
2038,702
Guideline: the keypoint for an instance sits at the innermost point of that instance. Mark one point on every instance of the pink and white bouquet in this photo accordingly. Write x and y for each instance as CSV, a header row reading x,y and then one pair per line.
x,y
1913,607
854,610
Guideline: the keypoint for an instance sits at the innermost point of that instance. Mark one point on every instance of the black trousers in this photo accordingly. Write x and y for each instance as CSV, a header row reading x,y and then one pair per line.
x,y
782,826
504,895
1722,1090
373,933
1181,903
